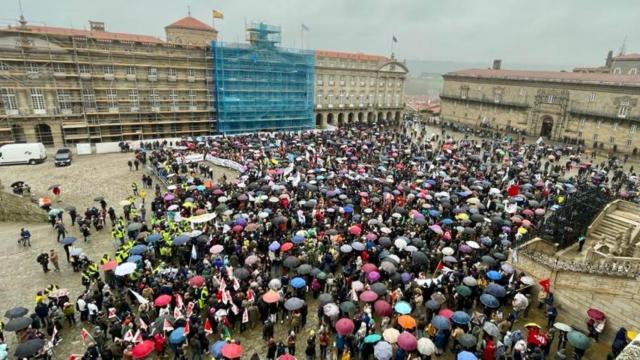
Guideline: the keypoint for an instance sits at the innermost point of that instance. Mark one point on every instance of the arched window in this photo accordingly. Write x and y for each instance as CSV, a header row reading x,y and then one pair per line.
x,y
617,71
633,71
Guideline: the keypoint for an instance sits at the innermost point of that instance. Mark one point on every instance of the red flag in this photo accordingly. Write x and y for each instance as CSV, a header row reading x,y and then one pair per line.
x,y
176,313
546,284
143,325
128,336
207,327
167,325
179,302
137,338
190,309
84,334
112,313
440,266
187,330
75,356
513,190
250,294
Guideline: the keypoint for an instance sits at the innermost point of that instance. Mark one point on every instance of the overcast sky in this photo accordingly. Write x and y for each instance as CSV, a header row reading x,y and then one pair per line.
x,y
567,32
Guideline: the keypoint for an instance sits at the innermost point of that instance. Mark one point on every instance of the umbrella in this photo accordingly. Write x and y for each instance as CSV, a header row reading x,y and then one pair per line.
x,y
17,324
368,296
382,351
291,262
216,249
491,328
196,281
325,298
134,227
274,246
16,312
271,297
402,307
496,290
275,284
134,258
507,268
298,283
304,269
138,250
68,240
407,322
391,335
251,259
440,322
562,327
465,355
433,304
470,281
419,258
347,306
369,267
489,300
382,308
380,289
426,346
216,348
162,300
372,338
460,317
29,348
153,237
344,326
595,314
293,303
578,339
177,336
143,349
331,310
407,341
125,269
357,246
241,273
488,260
286,357
527,280
463,290
494,275
346,248
181,239
467,340
373,276
231,351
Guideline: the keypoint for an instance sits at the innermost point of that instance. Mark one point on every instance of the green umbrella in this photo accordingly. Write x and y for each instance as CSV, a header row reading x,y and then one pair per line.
x,y
321,275
347,306
578,339
463,290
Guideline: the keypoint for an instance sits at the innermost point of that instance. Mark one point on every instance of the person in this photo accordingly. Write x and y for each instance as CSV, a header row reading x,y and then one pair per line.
x,y
581,241
57,192
85,231
324,343
73,214
291,343
130,164
552,314
25,237
53,257
62,232
43,259
136,163
619,342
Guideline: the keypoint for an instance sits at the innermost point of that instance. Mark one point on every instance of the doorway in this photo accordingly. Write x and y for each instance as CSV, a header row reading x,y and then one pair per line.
x,y
547,127
44,135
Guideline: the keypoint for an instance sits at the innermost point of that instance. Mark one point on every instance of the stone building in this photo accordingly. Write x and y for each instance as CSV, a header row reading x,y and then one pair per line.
x,y
599,110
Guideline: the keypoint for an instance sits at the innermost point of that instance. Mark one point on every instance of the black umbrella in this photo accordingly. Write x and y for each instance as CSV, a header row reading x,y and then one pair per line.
x,y
17,183
499,256
304,269
291,262
16,312
29,348
379,288
419,258
385,242
98,198
293,303
279,220
488,260
325,298
241,273
18,324
467,340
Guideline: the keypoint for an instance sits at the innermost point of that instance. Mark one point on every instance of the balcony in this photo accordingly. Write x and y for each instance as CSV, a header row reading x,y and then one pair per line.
x,y
577,110
109,77
131,77
59,75
85,76
331,83
152,78
320,82
484,100
11,112
172,78
191,79
114,110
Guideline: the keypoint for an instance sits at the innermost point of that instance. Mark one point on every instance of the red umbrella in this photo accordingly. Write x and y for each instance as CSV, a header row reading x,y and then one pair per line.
x,y
143,349
448,313
110,265
286,357
407,341
271,297
355,230
345,326
237,228
196,281
231,351
368,296
286,246
162,300
596,314
369,267
382,308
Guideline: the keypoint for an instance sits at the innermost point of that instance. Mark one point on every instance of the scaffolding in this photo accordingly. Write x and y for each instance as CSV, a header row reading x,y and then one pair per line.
x,y
260,86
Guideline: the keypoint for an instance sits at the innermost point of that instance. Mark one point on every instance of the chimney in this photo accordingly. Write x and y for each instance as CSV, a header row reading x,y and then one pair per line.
x,y
609,60
96,25
497,63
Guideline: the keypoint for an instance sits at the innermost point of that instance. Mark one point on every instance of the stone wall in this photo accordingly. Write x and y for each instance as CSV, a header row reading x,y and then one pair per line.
x,y
575,292
190,36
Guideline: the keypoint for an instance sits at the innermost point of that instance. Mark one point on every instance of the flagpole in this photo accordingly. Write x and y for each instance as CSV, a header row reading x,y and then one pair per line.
x,y
301,36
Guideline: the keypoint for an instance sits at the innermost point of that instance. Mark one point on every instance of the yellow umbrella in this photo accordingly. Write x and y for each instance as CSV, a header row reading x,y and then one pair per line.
x,y
462,216
532,324
631,334
522,230
188,204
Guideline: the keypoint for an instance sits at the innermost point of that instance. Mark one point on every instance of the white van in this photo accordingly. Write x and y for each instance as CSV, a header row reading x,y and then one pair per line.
x,y
33,153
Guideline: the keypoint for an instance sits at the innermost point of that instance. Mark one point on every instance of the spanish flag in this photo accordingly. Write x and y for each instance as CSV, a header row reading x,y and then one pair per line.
x,y
217,14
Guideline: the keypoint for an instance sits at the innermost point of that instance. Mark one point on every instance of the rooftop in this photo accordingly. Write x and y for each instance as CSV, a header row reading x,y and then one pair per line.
x,y
627,57
549,76
100,35
191,23
352,56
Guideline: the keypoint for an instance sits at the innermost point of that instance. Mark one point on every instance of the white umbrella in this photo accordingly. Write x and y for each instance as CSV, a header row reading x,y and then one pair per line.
x,y
331,310
125,269
527,280
447,251
472,244
400,243
426,346
275,284
391,335
357,285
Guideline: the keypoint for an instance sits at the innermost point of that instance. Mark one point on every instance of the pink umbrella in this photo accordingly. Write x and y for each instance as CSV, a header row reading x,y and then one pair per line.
x,y
527,212
526,223
237,228
373,276
382,308
369,267
368,296
436,229
355,230
216,249
371,236
344,326
448,313
357,285
407,341
539,211
169,197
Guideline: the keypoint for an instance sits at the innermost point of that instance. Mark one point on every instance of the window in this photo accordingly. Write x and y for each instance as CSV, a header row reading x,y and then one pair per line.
x,y
64,99
84,68
372,81
580,134
37,99
497,95
154,98
133,97
9,99
464,92
623,111
595,137
108,69
615,126
192,97
32,68
633,129
633,71
341,97
629,141
598,124
191,72
522,92
551,99
112,98
320,96
59,68
612,140
171,72
131,70
592,97
4,66
173,97
583,121
88,98
617,71
153,71
330,97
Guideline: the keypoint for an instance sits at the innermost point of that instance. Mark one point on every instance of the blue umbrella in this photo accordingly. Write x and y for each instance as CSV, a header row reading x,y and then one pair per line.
x,y
490,301
460,317
298,282
372,338
486,241
405,277
181,239
274,246
134,258
447,221
496,290
348,209
383,351
465,355
494,275
241,221
177,336
357,246
434,213
138,250
68,240
402,307
153,237
216,348
298,239
440,322
200,187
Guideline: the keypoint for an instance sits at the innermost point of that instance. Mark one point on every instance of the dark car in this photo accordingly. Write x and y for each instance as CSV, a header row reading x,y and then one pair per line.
x,y
63,157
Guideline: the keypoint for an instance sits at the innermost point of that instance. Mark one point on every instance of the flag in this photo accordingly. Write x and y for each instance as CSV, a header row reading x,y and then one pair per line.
x,y
128,336
546,284
217,14
440,266
190,309
137,338
250,295
194,252
236,284
143,325
207,327
139,297
167,325
234,308
187,330
224,297
84,334
245,316
395,40
112,313
304,27
179,302
176,313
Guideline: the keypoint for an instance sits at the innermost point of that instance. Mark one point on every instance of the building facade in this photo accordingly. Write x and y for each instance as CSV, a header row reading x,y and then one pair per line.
x,y
598,110
62,86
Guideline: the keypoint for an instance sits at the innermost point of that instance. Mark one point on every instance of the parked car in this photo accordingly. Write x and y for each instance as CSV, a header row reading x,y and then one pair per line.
x,y
30,153
63,157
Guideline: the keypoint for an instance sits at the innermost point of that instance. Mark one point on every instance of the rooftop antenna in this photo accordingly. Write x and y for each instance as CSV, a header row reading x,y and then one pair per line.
x,y
623,47
189,10
23,21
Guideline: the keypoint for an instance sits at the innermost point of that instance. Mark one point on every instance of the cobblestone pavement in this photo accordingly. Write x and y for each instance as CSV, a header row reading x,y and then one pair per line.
x,y
101,175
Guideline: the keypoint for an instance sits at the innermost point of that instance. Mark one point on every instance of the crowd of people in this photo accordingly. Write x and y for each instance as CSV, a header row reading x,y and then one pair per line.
x,y
354,243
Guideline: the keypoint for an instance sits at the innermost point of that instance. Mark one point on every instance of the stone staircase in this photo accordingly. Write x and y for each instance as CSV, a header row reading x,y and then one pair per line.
x,y
617,221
